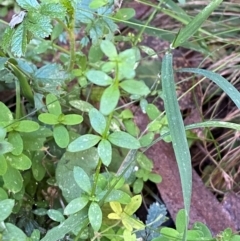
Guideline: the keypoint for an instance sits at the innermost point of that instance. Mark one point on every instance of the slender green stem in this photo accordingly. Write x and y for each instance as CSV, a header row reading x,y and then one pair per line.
x,y
96,177
18,101
146,24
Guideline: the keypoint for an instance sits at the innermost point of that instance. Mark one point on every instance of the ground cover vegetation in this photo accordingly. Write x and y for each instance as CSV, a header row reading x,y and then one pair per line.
x,y
72,160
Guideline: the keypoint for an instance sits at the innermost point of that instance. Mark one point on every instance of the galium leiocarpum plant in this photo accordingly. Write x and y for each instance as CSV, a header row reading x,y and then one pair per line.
x,y
86,143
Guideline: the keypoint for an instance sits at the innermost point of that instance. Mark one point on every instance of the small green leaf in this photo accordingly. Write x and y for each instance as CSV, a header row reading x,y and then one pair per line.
x,y
144,162
16,140
131,127
13,180
55,215
53,105
6,207
95,216
105,151
83,142
5,113
20,162
109,99
153,177
98,121
72,119
133,206
81,105
82,179
27,126
125,13
124,140
38,169
12,232
138,186
147,139
61,135
135,87
203,228
76,205
48,118
5,147
99,78
3,133
3,165
94,54
3,194
97,3
169,232
152,111
108,49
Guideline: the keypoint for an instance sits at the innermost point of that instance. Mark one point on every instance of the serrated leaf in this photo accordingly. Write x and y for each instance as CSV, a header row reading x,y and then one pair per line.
x,y
50,77
48,118
108,49
109,99
53,105
135,87
61,136
16,140
7,38
6,207
95,216
123,139
55,215
19,41
72,119
99,78
20,162
28,4
39,25
27,126
83,142
76,205
3,165
105,151
13,180
53,10
82,179
12,232
98,121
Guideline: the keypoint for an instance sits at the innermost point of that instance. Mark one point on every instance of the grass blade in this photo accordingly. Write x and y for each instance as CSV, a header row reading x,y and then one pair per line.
x,y
177,131
227,87
193,26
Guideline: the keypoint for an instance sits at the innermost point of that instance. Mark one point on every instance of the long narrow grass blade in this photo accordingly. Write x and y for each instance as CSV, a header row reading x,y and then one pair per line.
x,y
177,130
195,24
227,87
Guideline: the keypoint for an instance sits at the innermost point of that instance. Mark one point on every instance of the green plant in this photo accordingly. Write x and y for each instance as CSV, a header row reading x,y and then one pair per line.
x,y
65,165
